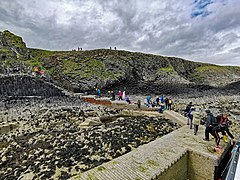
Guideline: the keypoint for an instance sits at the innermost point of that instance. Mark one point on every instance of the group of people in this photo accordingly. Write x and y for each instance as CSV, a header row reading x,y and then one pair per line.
x,y
121,96
163,103
38,71
214,124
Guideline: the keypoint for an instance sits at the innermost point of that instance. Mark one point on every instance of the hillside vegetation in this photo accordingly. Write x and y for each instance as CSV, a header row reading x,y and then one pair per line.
x,y
82,71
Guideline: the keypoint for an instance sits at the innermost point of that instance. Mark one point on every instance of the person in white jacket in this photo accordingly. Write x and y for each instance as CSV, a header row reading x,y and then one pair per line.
x,y
124,95
196,120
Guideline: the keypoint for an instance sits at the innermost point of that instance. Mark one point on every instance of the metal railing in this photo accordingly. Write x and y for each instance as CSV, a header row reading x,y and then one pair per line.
x,y
233,162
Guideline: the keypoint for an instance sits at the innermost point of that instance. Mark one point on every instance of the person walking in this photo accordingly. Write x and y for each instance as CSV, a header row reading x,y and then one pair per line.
x,y
120,95
169,104
196,120
190,116
98,92
166,102
113,96
187,111
123,95
209,125
224,127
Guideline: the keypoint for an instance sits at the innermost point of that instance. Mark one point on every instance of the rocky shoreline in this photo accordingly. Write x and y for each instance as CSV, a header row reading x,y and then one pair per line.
x,y
49,143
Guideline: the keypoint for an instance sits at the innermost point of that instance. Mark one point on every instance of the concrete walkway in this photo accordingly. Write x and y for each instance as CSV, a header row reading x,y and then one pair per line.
x,y
179,154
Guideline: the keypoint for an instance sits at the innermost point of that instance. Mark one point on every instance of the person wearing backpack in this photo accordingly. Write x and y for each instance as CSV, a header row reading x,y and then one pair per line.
x,y
209,125
223,126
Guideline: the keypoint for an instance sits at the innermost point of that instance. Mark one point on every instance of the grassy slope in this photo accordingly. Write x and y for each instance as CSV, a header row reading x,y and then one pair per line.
x,y
77,65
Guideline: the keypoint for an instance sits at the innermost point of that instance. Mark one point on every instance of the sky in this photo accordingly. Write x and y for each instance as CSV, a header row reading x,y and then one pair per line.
x,y
197,30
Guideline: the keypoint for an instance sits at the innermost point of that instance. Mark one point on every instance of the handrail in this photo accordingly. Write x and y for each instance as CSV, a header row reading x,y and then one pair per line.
x,y
234,161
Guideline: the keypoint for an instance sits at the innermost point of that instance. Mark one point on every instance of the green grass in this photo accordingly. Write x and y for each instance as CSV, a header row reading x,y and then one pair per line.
x,y
213,69
169,69
88,68
14,39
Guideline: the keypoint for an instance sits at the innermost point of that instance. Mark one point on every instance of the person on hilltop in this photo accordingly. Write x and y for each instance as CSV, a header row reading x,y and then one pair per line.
x,y
188,108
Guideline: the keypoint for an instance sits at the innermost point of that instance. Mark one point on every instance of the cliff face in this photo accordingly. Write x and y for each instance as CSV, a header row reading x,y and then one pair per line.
x,y
81,71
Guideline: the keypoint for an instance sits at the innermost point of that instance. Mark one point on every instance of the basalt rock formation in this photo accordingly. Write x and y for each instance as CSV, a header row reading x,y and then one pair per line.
x,y
81,71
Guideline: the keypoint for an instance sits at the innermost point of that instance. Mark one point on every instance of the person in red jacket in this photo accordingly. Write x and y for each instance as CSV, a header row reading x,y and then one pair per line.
x,y
223,126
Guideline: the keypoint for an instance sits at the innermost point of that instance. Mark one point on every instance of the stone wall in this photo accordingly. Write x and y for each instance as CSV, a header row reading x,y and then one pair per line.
x,y
201,167
18,85
179,170
192,165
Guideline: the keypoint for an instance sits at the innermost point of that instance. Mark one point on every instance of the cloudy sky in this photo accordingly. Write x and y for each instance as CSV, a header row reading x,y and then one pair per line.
x,y
199,30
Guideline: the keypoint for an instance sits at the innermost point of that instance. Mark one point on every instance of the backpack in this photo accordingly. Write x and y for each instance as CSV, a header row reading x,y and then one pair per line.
x,y
169,101
214,120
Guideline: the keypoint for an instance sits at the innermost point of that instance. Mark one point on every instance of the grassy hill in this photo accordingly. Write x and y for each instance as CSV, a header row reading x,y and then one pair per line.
x,y
84,70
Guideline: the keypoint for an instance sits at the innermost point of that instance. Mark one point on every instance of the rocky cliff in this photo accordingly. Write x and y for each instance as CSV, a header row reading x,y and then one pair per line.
x,y
81,71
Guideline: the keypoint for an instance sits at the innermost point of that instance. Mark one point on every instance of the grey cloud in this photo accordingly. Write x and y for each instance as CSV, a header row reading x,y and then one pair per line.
x,y
236,50
164,27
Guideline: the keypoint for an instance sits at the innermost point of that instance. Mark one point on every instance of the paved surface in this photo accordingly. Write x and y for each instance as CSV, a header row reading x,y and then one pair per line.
x,y
151,160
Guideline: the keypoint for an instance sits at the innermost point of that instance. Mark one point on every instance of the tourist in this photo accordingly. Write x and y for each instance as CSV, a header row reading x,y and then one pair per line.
x,y
209,124
113,96
139,104
215,131
157,101
166,102
36,70
98,92
196,120
190,115
123,95
120,95
223,126
162,99
153,104
146,103
128,100
187,111
149,100
169,104
162,108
